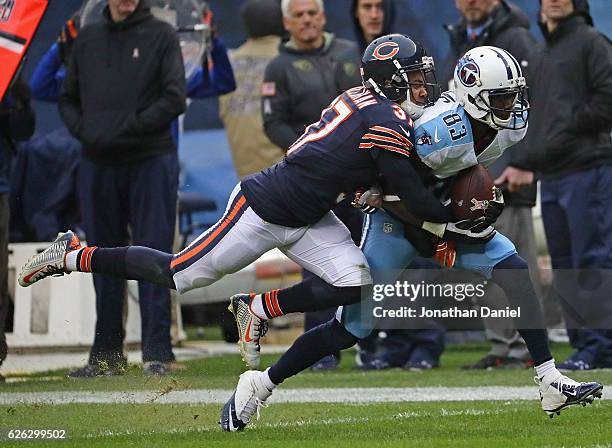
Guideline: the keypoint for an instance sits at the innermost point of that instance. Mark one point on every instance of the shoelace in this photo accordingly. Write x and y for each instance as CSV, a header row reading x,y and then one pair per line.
x,y
55,271
262,329
252,407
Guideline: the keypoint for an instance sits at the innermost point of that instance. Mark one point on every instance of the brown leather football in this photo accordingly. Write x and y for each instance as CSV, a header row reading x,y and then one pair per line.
x,y
471,192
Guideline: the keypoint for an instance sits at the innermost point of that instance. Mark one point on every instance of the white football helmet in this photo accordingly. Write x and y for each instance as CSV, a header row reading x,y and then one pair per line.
x,y
490,85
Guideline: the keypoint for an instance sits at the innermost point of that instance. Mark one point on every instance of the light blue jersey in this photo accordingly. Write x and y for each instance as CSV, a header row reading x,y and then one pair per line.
x,y
445,144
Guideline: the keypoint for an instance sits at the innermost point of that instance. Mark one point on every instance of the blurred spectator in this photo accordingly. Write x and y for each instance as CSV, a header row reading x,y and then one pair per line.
x,y
48,201
502,24
16,123
372,19
213,77
312,68
44,195
240,111
570,146
124,85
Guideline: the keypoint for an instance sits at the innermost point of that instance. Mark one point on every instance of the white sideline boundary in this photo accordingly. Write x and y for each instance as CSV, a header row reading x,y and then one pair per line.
x,y
332,395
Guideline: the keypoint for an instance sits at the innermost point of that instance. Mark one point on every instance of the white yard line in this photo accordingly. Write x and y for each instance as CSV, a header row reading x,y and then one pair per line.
x,y
207,427
336,395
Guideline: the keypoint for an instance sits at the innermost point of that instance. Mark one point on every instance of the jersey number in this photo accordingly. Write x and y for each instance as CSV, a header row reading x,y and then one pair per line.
x,y
331,118
455,132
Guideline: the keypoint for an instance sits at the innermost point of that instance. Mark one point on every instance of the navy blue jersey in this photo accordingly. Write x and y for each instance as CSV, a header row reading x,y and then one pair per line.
x,y
336,155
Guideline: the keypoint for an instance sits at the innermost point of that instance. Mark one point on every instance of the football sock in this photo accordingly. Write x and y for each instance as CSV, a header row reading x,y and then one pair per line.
x,y
512,276
256,306
547,368
265,306
311,294
313,345
267,382
131,262
79,260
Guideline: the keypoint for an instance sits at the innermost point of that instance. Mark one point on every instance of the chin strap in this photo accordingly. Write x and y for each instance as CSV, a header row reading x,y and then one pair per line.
x,y
371,84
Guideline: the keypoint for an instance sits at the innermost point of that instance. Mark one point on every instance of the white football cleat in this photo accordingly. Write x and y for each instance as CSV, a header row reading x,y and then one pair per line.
x,y
250,329
250,395
51,260
561,391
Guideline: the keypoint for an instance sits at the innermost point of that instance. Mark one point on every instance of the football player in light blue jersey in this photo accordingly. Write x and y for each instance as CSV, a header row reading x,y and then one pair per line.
x,y
486,115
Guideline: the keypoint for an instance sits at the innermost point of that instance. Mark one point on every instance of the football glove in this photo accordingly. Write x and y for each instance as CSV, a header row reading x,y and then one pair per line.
x,y
368,201
495,207
467,231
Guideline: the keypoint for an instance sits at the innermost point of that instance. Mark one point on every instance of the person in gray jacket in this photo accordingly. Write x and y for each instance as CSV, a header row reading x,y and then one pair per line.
x,y
312,68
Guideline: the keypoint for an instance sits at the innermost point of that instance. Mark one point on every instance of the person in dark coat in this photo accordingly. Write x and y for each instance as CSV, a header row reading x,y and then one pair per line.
x,y
570,146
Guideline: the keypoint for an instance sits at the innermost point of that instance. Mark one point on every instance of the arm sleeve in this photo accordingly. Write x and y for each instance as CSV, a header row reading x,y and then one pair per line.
x,y
404,180
171,101
70,98
47,78
276,107
215,77
595,114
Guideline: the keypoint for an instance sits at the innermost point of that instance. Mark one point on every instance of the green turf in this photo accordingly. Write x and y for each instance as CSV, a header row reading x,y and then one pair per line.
x,y
222,372
451,424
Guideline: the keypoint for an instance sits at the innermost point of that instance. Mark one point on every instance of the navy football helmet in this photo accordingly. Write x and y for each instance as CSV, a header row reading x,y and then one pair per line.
x,y
386,65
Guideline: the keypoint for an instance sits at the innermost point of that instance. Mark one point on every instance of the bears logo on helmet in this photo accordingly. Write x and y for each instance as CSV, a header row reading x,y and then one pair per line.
x,y
383,57
392,65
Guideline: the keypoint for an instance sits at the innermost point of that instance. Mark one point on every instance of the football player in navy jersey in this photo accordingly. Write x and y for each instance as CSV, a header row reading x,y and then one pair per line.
x,y
489,117
362,134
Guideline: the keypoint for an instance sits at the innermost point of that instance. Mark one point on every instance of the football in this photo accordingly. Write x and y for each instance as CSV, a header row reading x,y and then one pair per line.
x,y
471,192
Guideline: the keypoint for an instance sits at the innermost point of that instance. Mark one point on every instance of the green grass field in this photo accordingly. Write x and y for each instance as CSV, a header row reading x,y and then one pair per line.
x,y
425,424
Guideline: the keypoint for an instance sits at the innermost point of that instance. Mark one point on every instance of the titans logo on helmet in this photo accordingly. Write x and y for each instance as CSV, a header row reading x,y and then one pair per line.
x,y
468,72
